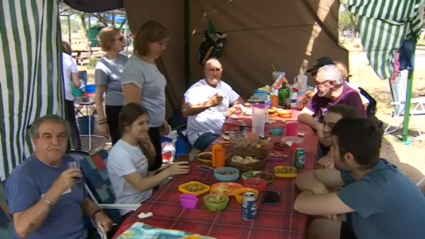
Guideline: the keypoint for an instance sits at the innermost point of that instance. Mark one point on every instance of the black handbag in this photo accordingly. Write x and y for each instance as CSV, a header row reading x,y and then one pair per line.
x,y
212,45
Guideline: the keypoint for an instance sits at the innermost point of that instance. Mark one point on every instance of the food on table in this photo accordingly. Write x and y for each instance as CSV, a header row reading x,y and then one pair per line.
x,y
226,135
216,199
272,110
225,188
227,173
265,88
194,188
246,160
264,175
206,156
269,177
264,140
277,155
284,113
285,170
241,139
280,145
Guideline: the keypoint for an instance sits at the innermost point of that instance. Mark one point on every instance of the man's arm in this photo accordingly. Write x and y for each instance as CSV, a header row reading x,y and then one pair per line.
x,y
320,204
89,207
28,221
306,115
194,109
365,197
28,208
312,179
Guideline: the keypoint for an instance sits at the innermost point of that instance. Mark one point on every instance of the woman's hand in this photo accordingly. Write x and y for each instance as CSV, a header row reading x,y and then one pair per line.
x,y
104,130
181,167
165,128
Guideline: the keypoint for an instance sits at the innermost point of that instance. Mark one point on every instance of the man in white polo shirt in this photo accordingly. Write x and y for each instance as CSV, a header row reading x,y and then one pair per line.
x,y
208,103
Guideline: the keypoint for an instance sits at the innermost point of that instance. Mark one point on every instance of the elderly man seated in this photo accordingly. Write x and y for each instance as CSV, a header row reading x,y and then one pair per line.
x,y
333,115
331,90
46,197
377,200
208,103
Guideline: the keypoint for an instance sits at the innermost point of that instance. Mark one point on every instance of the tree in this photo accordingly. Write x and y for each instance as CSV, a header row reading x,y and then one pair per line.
x,y
347,21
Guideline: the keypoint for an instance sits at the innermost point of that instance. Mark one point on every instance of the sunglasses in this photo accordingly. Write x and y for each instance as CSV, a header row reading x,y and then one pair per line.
x,y
119,39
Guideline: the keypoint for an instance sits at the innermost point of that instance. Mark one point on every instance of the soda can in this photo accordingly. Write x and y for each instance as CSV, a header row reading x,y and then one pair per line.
x,y
249,206
299,158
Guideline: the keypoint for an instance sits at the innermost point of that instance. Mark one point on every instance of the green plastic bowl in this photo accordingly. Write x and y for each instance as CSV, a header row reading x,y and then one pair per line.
x,y
216,207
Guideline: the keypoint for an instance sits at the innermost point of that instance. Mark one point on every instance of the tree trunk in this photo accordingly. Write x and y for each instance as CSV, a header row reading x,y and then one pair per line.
x,y
84,27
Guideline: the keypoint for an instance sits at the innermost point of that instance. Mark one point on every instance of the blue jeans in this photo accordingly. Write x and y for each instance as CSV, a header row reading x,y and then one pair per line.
x,y
205,140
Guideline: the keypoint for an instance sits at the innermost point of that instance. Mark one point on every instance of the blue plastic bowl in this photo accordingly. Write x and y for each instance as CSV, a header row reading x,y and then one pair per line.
x,y
276,131
90,89
219,174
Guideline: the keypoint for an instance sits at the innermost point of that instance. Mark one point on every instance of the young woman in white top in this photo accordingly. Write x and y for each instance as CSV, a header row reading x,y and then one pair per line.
x,y
70,76
128,161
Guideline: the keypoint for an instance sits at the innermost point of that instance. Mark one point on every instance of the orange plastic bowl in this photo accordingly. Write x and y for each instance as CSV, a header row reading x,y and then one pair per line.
x,y
241,191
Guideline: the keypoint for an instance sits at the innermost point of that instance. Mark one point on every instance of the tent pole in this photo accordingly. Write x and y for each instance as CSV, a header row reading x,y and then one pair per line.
x,y
187,43
408,104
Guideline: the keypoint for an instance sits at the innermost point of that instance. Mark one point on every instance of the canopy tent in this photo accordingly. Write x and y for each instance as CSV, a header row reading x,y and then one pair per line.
x,y
384,33
289,34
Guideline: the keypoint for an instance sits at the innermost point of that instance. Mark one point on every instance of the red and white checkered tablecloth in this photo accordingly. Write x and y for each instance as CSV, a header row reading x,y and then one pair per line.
x,y
272,222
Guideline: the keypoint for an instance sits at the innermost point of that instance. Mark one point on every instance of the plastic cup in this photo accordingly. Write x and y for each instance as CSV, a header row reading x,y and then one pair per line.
x,y
291,129
275,100
188,201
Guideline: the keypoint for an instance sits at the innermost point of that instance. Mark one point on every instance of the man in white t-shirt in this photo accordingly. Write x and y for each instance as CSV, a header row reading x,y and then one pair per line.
x,y
208,103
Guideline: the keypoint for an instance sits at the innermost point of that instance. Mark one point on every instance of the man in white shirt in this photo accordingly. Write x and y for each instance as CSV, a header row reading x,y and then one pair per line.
x,y
208,103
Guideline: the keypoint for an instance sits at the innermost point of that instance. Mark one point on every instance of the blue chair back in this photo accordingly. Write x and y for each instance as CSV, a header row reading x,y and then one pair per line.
x,y
97,180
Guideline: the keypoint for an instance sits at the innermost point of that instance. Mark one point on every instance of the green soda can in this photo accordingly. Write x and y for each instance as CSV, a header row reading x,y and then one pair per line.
x,y
300,158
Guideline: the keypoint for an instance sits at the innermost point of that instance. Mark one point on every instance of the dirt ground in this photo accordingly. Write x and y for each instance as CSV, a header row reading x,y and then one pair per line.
x,y
406,157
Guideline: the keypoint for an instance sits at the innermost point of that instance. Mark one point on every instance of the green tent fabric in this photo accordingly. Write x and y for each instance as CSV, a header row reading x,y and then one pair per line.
x,y
383,25
31,82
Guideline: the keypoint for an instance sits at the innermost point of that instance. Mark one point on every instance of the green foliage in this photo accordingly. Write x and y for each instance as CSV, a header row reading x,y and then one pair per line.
x,y
92,62
347,21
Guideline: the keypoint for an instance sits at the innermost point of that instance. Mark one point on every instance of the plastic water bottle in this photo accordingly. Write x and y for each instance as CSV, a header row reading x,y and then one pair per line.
x,y
269,101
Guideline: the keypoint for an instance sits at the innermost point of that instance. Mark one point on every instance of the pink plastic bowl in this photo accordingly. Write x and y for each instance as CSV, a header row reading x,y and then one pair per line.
x,y
188,201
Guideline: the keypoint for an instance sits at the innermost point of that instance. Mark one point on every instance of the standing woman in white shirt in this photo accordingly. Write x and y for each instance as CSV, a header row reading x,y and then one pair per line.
x,y
143,83
128,163
108,74
70,76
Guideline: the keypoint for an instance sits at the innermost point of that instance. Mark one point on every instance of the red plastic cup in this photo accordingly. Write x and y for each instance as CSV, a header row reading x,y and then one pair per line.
x,y
188,201
291,129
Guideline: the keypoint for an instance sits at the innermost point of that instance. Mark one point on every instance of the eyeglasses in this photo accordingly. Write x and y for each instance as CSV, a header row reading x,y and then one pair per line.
x,y
321,83
119,39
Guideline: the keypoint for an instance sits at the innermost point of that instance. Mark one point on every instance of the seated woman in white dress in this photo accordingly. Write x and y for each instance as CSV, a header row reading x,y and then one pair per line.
x,y
128,161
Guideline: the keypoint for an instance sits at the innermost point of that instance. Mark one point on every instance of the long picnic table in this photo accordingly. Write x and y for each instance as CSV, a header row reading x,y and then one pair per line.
x,y
280,221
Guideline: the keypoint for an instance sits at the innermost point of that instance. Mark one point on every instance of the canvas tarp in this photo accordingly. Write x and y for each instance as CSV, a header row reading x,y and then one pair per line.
x,y
291,35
